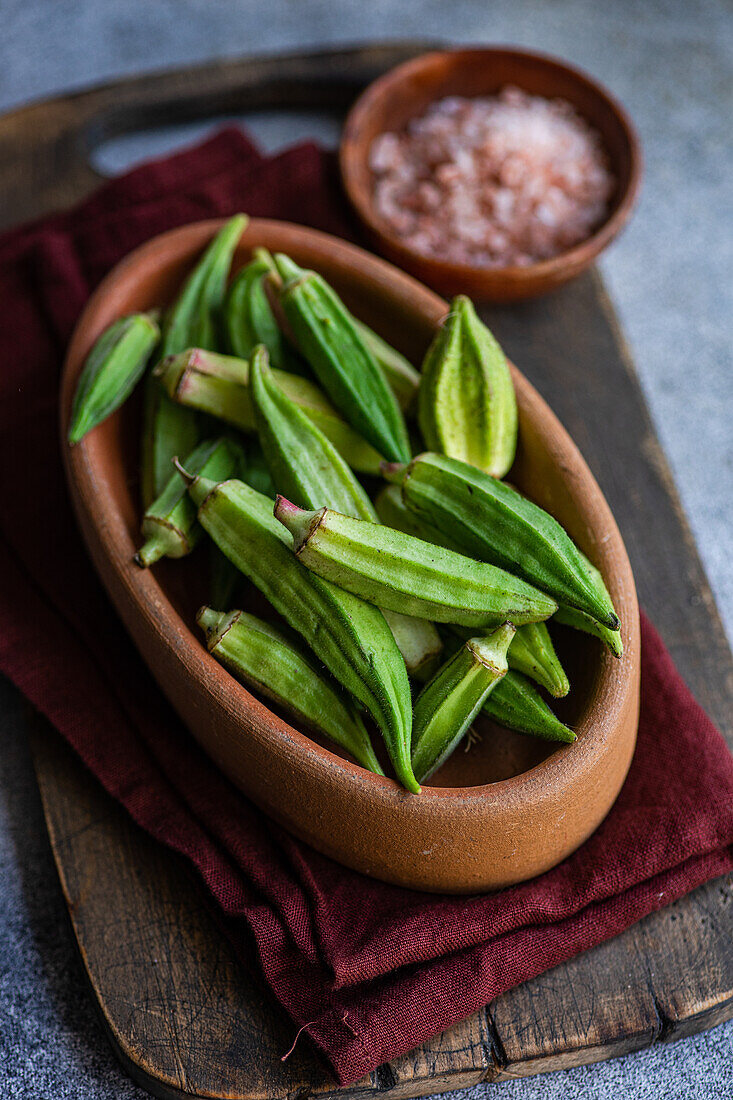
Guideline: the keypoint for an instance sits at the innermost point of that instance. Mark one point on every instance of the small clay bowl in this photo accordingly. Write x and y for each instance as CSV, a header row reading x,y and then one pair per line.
x,y
404,93
509,809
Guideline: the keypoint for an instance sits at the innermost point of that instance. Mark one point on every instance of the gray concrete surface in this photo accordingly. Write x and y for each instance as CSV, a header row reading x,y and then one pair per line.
x,y
670,277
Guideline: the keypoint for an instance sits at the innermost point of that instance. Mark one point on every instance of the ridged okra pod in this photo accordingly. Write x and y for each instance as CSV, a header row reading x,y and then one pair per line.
x,y
402,378
169,524
393,512
532,653
304,464
448,704
271,663
405,574
219,385
168,430
517,704
569,616
249,319
111,371
342,362
350,636
309,469
466,405
492,522
193,319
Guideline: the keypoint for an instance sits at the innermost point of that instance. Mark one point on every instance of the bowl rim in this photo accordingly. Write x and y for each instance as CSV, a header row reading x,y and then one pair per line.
x,y
568,260
549,775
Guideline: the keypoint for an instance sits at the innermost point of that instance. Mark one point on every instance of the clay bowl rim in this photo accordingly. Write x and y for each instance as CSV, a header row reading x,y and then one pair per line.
x,y
552,271
562,766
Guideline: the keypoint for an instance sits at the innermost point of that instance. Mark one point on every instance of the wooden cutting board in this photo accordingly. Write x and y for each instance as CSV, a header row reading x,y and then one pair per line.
x,y
182,1016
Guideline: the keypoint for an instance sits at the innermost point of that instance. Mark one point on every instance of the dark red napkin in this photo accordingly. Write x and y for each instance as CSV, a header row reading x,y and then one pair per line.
x,y
372,970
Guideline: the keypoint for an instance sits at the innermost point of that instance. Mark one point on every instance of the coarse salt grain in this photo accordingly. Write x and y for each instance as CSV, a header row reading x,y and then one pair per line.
x,y
493,181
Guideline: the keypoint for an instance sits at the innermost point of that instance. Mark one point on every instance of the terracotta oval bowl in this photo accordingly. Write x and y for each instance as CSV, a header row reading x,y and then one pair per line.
x,y
506,811
405,92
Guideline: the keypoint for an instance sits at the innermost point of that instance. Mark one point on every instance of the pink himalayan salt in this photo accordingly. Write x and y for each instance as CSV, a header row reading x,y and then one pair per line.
x,y
497,181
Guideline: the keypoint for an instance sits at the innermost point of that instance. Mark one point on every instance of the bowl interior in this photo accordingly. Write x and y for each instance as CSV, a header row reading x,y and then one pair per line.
x,y
551,473
404,93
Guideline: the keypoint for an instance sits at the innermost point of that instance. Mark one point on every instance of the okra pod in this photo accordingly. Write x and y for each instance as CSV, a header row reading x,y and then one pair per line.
x,y
219,385
111,371
466,405
333,346
569,616
532,652
350,636
448,704
417,640
265,659
168,430
304,464
193,319
517,704
393,512
405,574
311,471
493,522
249,318
402,378
169,524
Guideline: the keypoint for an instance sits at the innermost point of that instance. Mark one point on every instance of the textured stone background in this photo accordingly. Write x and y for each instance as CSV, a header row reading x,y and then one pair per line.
x,y
670,277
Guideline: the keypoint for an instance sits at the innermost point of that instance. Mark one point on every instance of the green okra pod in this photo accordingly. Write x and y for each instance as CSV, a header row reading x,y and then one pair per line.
x,y
271,663
168,430
193,319
350,636
307,467
219,385
570,616
405,574
402,378
466,405
169,524
249,318
517,704
111,371
493,522
343,363
448,704
532,652
304,464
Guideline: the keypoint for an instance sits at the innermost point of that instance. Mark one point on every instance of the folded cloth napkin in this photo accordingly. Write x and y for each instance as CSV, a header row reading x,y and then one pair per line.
x,y
371,969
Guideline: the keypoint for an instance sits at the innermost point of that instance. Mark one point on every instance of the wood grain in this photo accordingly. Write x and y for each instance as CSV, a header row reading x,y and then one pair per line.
x,y
182,1015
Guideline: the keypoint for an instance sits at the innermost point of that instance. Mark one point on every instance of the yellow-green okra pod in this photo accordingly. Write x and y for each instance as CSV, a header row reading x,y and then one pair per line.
x,y
219,385
466,405
169,524
350,636
111,371
405,574
448,704
493,522
341,360
271,663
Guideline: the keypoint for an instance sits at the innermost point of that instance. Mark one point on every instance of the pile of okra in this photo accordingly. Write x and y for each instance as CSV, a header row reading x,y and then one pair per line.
x,y
363,498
